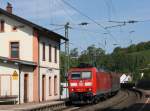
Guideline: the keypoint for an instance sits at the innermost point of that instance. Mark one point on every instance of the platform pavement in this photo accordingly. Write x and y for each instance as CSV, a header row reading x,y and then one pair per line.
x,y
28,106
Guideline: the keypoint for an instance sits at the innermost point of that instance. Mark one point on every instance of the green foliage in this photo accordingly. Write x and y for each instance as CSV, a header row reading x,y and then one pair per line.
x,y
74,52
92,56
123,60
62,66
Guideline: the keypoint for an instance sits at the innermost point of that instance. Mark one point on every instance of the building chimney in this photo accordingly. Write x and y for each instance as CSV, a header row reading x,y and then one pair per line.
x,y
9,8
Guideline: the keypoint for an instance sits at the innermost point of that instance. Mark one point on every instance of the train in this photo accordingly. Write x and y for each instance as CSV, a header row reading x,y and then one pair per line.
x,y
87,84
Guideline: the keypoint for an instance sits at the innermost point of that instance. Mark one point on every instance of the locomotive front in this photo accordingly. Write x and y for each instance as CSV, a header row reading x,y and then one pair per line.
x,y
81,84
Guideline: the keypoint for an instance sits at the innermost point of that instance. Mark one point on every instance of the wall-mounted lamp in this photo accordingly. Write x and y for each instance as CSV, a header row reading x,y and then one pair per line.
x,y
16,63
5,61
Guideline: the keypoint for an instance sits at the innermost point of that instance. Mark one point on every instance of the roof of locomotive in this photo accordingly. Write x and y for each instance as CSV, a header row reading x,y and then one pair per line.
x,y
84,66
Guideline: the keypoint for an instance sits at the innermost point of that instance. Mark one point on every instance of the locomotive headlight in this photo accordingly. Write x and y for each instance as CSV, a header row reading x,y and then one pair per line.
x,y
73,84
88,83
90,89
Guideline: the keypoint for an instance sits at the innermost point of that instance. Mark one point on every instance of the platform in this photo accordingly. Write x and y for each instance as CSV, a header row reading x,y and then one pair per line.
x,y
29,106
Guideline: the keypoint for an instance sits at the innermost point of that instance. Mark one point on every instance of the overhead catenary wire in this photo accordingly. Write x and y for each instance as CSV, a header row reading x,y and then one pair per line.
x,y
52,10
113,7
108,9
81,29
66,12
87,30
57,29
81,13
89,33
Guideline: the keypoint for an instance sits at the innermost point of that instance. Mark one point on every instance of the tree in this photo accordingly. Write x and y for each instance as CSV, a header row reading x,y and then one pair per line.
x,y
122,60
74,52
92,55
62,66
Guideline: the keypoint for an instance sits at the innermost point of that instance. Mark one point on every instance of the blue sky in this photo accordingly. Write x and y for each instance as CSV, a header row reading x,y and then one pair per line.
x,y
47,12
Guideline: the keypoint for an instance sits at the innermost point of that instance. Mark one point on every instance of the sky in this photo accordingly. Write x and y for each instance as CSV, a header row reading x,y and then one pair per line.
x,y
54,14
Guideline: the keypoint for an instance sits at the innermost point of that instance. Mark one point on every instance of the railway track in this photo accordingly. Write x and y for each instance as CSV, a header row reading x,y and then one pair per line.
x,y
113,102
107,103
117,103
120,102
123,105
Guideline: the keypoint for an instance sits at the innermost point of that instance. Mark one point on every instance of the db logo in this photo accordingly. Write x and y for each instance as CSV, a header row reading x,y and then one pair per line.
x,y
80,83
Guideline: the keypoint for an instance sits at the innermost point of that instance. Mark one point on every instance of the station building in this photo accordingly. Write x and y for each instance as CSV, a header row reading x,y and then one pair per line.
x,y
29,60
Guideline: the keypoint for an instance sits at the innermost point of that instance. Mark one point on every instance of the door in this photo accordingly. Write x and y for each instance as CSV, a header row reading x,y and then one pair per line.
x,y
26,88
43,87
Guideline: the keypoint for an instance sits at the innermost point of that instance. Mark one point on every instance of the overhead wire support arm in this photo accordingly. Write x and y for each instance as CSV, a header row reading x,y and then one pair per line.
x,y
122,23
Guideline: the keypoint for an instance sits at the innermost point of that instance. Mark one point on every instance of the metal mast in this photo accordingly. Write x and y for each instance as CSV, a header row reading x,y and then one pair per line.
x,y
66,53
66,48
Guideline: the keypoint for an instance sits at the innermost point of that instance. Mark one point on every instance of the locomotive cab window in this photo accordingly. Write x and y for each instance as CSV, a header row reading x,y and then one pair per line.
x,y
76,75
81,75
86,75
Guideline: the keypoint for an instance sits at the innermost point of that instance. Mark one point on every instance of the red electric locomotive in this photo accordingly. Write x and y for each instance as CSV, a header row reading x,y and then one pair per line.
x,y
87,84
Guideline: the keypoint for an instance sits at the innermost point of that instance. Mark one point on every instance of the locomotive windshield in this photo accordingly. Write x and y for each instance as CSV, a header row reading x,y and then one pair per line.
x,y
81,75
76,75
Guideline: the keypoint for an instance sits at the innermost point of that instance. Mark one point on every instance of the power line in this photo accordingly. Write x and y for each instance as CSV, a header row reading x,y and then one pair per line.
x,y
67,13
58,25
113,7
90,33
83,14
57,29
90,19
108,9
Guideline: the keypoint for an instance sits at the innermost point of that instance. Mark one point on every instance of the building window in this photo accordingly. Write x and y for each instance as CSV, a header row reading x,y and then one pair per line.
x,y
14,50
43,51
55,54
2,23
55,85
50,58
50,86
